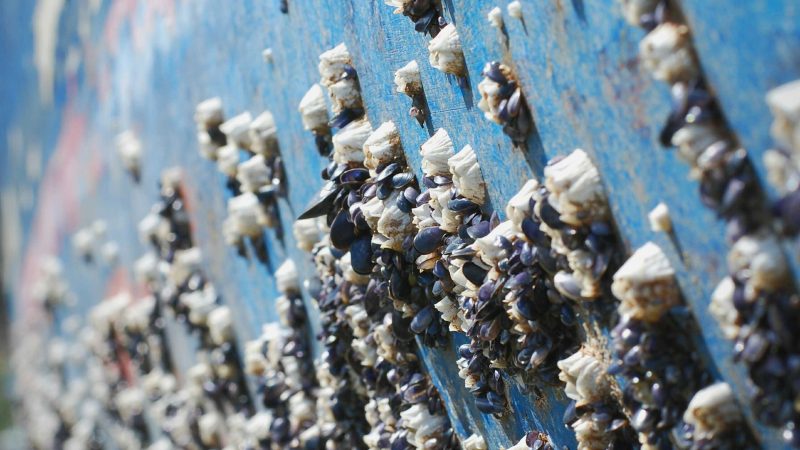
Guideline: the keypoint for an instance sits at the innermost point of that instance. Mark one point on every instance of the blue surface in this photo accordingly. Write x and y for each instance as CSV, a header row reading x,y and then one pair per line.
x,y
577,63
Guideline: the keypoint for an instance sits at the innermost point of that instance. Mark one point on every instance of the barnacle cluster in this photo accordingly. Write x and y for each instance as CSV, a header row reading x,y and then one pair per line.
x,y
502,101
426,14
758,287
91,242
654,353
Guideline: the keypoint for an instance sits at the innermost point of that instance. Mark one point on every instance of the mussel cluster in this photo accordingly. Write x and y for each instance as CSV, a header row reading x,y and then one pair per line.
x,y
426,14
502,101
756,304
655,354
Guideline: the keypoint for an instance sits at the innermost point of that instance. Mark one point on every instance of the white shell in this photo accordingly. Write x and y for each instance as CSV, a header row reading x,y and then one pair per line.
x,y
83,242
576,189
407,79
784,102
313,110
467,176
668,54
694,138
185,264
495,17
436,151
382,146
723,310
286,277
394,223
515,9
130,151
253,174
585,377
228,159
237,130
445,52
518,208
522,444
348,143
306,233
209,113
264,134
474,442
645,284
659,219
332,64
782,170
220,325
372,211
633,10
245,215
210,426
712,410
399,5
758,258
421,425
345,94
200,304
266,54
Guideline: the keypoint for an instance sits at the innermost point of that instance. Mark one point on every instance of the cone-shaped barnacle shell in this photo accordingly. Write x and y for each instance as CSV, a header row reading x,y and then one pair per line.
x,y
445,52
264,134
332,64
394,223
83,243
436,151
659,218
286,278
576,189
253,174
667,52
185,264
495,17
712,411
130,152
382,146
307,232
633,10
519,207
407,79
228,160
314,111
348,143
336,72
723,310
757,259
585,377
497,86
422,425
237,130
486,247
783,172
784,102
474,442
208,113
246,216
645,284
220,325
467,176
694,138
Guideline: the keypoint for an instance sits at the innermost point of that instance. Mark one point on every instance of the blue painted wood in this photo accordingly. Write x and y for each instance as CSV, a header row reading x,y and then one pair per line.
x,y
577,62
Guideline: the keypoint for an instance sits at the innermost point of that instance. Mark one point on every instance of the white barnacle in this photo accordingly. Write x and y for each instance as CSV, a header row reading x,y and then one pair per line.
x,y
130,402
220,325
307,233
253,174
645,284
399,5
659,218
407,79
228,159
314,111
515,9
495,17
576,189
210,426
584,376
345,94
519,207
633,10
693,139
522,444
474,442
200,304
332,64
723,310
348,143
372,211
784,102
208,148
109,252
185,264
445,52
394,223
129,149
83,243
267,55
208,113
246,216
264,134
467,176
286,278
382,146
758,258
783,172
436,151
712,411
492,96
237,130
668,54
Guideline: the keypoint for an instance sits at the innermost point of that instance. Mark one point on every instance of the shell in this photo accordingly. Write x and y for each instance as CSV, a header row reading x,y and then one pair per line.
x,y
407,79
782,171
332,64
345,94
207,148
723,310
487,250
109,252
668,54
220,325
382,146
633,10
399,5
659,219
519,207
185,264
253,174
467,176
474,442
307,232
784,102
585,377
208,113
515,9
645,284
264,134
210,425
522,444
83,242
712,411
348,143
237,130
694,138
758,258
576,189
286,278
228,159
394,223
436,151
495,17
129,149
200,304
313,110
246,216
445,52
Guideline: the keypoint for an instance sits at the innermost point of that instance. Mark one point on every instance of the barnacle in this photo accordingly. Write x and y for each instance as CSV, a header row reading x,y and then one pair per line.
x,y
576,190
436,152
264,135
228,160
130,152
307,232
515,9
667,52
445,52
659,218
634,10
407,79
253,174
220,325
495,17
758,261
337,74
348,143
713,412
426,14
467,177
237,130
314,111
646,285
382,146
784,103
